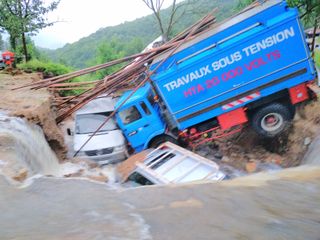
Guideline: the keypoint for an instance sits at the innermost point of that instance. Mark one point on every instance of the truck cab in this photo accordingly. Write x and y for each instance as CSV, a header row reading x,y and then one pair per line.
x,y
139,117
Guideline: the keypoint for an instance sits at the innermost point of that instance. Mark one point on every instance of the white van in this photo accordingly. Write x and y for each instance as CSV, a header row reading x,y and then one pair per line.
x,y
108,145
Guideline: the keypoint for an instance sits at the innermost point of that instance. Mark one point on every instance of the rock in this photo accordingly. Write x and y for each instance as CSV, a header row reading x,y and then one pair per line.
x,y
307,141
225,159
274,158
251,166
312,156
21,175
267,167
100,178
218,155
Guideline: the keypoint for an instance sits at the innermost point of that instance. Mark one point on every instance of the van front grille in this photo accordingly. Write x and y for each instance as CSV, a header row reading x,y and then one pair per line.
x,y
99,152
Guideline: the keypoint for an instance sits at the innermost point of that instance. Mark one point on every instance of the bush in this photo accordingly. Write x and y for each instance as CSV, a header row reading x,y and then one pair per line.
x,y
48,68
317,58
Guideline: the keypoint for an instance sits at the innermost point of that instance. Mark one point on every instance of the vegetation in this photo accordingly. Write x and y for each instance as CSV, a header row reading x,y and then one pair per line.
x,y
48,68
317,58
115,49
132,37
155,6
21,17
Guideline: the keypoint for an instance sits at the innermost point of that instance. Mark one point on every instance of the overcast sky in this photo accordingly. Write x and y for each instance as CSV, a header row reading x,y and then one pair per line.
x,y
78,19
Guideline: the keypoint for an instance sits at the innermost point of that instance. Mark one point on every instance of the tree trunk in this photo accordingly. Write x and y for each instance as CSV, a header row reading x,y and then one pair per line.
x,y
24,45
13,43
314,36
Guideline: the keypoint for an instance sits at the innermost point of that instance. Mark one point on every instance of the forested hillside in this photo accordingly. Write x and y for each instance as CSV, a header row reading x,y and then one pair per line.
x,y
131,37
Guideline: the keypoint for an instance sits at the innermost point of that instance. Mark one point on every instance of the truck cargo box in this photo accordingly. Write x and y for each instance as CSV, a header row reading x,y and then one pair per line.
x,y
257,53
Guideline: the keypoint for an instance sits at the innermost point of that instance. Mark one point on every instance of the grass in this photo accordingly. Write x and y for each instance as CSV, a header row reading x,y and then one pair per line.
x,y
317,58
48,68
55,69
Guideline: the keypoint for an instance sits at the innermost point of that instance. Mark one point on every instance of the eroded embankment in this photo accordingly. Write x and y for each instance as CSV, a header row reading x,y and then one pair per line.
x,y
248,152
33,105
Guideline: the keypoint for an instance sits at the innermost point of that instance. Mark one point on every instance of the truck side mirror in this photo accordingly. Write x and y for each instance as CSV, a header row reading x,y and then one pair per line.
x,y
69,132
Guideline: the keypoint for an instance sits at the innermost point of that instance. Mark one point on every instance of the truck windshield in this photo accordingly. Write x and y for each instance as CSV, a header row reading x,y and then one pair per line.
x,y
89,123
130,115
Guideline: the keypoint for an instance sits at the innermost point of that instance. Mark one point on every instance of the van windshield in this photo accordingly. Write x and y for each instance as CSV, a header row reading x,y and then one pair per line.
x,y
89,123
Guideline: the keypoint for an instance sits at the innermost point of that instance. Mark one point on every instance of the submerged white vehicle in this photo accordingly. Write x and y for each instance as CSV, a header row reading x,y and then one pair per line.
x,y
168,164
108,145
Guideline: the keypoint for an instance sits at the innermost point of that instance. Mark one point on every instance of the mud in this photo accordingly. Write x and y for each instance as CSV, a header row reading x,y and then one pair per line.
x,y
33,105
250,153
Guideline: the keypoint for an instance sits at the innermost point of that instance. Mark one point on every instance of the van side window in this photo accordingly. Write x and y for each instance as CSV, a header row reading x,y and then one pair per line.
x,y
130,115
145,108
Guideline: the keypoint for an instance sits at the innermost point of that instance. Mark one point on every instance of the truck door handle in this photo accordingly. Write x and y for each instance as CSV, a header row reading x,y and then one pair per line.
x,y
147,125
132,133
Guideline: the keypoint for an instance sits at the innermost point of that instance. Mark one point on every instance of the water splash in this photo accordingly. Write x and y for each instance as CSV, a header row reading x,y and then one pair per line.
x,y
27,143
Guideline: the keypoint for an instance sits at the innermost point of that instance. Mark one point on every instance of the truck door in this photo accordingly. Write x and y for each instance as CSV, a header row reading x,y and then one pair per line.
x,y
137,124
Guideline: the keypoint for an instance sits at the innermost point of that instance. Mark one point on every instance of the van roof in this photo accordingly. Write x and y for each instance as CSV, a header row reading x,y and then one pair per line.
x,y
98,105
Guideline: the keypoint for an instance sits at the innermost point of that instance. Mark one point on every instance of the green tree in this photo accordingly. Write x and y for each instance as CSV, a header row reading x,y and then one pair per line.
x,y
134,46
107,52
21,17
32,51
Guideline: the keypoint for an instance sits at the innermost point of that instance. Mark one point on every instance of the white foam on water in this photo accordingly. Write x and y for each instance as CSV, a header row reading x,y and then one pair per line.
x,y
30,145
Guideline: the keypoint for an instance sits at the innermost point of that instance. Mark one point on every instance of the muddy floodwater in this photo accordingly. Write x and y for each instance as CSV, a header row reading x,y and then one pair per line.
x,y
282,205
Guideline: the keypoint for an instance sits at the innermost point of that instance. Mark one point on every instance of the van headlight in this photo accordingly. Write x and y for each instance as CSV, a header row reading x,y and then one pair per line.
x,y
119,148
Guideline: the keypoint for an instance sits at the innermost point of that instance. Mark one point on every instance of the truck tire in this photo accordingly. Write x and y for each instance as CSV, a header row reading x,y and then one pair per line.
x,y
157,141
272,120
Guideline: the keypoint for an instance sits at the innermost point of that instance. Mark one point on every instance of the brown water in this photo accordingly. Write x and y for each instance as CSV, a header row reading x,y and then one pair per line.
x,y
24,147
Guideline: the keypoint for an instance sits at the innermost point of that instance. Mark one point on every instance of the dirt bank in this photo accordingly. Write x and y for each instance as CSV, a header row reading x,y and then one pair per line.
x,y
33,105
247,151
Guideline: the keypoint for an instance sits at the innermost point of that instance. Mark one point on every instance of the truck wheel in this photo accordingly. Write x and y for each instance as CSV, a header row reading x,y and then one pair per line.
x,y
156,142
271,120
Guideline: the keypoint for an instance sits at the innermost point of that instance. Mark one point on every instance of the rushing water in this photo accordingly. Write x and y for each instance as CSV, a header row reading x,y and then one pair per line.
x,y
28,145
24,150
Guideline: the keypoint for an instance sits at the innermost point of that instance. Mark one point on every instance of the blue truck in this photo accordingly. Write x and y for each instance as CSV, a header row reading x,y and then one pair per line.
x,y
252,68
